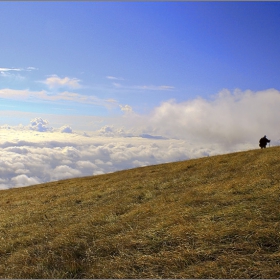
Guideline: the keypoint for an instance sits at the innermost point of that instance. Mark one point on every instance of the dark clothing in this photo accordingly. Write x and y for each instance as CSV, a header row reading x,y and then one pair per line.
x,y
263,142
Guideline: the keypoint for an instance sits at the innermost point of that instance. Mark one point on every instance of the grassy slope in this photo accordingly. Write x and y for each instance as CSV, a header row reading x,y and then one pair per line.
x,y
211,217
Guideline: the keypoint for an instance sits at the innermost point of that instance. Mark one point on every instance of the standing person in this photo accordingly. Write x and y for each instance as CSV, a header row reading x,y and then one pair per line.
x,y
263,142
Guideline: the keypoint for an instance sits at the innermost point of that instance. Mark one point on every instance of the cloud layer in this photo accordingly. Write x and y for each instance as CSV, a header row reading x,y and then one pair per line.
x,y
173,131
227,119
49,156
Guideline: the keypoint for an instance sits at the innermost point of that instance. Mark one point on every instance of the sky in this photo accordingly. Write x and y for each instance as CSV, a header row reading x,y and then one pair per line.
x,y
94,87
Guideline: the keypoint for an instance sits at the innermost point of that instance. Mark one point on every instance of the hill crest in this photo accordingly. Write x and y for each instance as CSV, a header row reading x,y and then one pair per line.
x,y
214,217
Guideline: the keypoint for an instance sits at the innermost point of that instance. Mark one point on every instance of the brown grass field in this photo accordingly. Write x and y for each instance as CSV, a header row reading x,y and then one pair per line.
x,y
213,217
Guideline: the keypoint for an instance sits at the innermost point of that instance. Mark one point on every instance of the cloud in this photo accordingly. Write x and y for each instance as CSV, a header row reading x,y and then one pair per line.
x,y
228,118
66,129
114,78
10,72
144,135
9,69
38,124
64,172
173,131
50,156
20,94
31,68
151,87
57,82
3,69
23,180
126,108
144,87
43,95
166,87
111,101
111,131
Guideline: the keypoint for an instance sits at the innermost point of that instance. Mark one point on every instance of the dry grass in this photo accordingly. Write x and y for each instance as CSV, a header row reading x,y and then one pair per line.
x,y
215,217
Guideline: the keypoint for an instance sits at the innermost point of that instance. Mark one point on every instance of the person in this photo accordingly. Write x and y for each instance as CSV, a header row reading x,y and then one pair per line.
x,y
263,142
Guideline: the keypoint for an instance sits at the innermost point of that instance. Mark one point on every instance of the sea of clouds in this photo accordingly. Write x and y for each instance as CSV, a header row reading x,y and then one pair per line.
x,y
173,131
50,156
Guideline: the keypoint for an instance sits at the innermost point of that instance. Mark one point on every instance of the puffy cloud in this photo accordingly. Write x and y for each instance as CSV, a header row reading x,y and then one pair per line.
x,y
5,126
40,125
30,68
173,131
227,119
23,180
57,82
66,129
126,108
50,156
64,172
111,131
107,131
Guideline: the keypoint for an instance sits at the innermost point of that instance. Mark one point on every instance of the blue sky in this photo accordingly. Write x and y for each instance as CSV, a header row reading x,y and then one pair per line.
x,y
134,53
94,87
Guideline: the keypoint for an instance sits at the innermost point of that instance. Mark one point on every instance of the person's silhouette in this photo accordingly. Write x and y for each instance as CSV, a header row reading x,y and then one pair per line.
x,y
263,142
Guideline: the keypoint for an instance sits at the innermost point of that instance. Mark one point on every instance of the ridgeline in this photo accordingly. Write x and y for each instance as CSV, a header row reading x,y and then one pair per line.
x,y
213,217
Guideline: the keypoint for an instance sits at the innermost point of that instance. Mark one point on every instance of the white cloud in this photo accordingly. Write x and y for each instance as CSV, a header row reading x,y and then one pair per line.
x,y
50,156
111,131
227,119
10,119
107,131
126,108
166,87
43,95
66,129
20,94
13,73
57,82
64,172
152,87
31,68
9,74
114,78
173,131
144,87
38,124
2,70
23,180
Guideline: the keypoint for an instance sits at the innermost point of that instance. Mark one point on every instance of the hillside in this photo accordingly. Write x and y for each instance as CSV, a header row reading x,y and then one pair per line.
x,y
214,217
